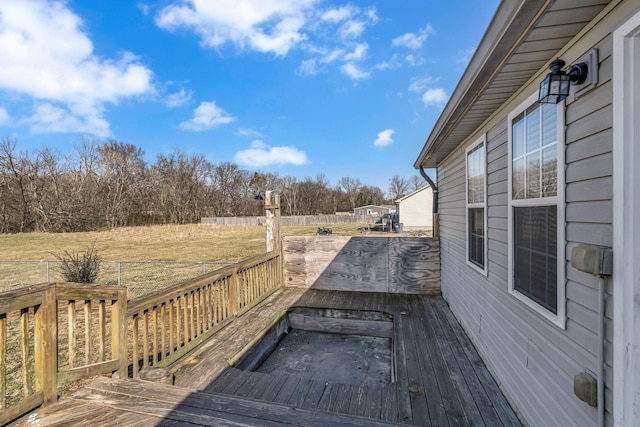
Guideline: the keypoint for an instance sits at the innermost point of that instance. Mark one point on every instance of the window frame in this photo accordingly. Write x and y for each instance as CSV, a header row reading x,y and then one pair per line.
x,y
483,204
558,319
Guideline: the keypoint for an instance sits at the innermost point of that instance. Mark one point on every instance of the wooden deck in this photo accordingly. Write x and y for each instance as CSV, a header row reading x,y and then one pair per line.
x,y
439,378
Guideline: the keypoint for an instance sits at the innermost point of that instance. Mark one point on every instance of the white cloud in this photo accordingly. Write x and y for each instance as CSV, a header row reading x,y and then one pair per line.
x,y
392,64
328,35
265,26
338,14
248,132
413,40
436,96
260,155
352,29
179,98
384,138
332,56
144,8
4,117
206,116
421,84
45,55
359,53
354,72
49,118
308,67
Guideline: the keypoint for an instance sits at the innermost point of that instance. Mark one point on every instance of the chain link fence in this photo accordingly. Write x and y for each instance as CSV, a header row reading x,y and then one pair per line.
x,y
140,277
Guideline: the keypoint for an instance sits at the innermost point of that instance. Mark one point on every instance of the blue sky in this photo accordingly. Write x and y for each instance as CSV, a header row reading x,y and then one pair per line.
x,y
294,87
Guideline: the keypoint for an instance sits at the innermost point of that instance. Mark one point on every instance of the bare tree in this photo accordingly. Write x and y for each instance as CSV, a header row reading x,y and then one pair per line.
x,y
416,182
370,195
226,179
179,182
351,187
398,187
122,171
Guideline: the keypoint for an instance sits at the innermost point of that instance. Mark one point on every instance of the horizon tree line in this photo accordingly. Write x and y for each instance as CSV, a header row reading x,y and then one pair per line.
x,y
108,184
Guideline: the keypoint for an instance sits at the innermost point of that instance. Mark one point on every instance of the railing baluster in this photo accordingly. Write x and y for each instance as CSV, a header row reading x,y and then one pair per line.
x,y
87,331
71,331
178,322
185,312
171,326
136,345
155,331
163,330
191,318
27,387
3,358
197,302
145,340
102,330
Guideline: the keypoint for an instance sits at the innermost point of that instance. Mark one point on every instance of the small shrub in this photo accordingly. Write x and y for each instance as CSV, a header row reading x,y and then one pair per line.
x,y
80,267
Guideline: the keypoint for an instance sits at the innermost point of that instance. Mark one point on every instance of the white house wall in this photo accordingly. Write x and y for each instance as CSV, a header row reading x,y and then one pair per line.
x,y
416,210
534,360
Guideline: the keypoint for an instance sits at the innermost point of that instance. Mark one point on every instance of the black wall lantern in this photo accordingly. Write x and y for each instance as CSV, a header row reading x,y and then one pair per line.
x,y
555,87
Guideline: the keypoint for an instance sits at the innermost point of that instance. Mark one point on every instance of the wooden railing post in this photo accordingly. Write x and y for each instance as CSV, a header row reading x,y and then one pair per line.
x,y
46,346
119,333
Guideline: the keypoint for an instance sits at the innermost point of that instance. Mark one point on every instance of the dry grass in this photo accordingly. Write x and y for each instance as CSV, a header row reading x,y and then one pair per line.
x,y
191,242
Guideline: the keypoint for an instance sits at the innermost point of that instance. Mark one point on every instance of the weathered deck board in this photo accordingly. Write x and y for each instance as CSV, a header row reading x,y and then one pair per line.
x,y
440,378
108,402
212,357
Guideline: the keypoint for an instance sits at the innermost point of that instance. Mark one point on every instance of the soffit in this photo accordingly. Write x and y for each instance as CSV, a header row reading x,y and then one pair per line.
x,y
521,39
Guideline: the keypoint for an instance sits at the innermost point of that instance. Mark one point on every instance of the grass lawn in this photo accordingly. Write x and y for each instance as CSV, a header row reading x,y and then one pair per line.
x,y
153,245
191,242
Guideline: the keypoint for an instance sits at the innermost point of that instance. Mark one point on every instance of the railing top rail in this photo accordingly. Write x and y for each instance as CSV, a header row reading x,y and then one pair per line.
x,y
80,291
139,304
28,261
32,295
22,298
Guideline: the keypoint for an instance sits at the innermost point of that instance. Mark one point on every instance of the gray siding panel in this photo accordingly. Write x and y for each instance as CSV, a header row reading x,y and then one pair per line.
x,y
534,360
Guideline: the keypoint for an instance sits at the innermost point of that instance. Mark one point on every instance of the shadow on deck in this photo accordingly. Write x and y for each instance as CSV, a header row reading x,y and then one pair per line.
x,y
440,380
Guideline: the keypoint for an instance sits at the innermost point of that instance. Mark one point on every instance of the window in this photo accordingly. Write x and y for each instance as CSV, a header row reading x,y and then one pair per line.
x,y
536,207
476,205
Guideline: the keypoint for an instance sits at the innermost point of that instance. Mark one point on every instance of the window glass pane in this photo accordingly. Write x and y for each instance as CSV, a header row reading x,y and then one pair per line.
x,y
476,236
533,175
534,138
533,128
549,128
476,175
549,171
517,136
535,260
518,179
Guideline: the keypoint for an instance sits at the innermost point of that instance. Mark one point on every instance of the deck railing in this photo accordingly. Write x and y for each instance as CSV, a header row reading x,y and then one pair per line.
x,y
52,334
55,333
169,324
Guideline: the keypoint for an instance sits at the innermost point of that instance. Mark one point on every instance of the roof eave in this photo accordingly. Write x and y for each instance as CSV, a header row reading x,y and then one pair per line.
x,y
508,27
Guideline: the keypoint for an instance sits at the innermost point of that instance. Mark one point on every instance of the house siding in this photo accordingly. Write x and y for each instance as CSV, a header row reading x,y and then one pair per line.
x,y
534,360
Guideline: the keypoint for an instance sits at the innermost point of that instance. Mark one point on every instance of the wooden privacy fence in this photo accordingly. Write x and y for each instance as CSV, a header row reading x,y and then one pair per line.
x,y
292,220
408,265
52,334
55,333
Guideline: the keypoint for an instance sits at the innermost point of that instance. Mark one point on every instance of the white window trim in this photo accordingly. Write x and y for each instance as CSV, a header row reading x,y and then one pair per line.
x,y
558,319
626,232
483,204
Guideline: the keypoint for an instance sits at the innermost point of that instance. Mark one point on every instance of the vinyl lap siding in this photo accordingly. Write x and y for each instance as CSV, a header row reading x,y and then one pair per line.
x,y
534,360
